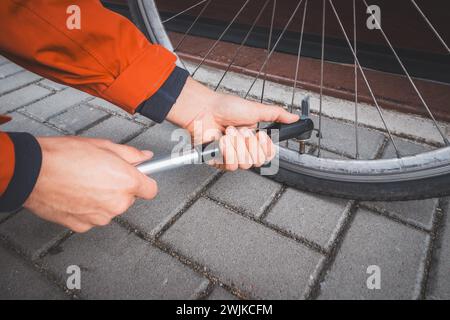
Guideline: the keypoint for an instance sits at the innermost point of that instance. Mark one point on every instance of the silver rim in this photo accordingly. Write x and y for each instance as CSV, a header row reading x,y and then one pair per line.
x,y
426,165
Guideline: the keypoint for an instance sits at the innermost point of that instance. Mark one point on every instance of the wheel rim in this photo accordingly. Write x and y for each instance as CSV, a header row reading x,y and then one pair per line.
x,y
429,164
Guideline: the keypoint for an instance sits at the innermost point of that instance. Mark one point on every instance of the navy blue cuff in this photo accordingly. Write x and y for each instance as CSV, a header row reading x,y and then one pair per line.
x,y
158,106
28,161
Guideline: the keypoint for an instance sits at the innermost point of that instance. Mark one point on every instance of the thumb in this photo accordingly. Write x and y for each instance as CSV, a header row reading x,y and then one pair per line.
x,y
275,114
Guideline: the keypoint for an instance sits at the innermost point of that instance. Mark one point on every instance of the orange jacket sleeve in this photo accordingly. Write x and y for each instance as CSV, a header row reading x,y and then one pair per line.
x,y
107,57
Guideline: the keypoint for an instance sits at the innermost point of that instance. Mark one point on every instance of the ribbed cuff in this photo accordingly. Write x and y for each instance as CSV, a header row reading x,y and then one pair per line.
x,y
158,106
28,161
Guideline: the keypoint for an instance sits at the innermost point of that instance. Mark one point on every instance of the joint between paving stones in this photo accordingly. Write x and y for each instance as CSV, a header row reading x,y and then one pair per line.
x,y
193,265
436,230
314,290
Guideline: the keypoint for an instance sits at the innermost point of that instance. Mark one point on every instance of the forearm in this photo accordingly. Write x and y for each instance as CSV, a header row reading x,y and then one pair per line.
x,y
108,57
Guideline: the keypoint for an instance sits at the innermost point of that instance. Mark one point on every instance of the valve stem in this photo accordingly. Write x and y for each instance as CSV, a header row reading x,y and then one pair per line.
x,y
304,114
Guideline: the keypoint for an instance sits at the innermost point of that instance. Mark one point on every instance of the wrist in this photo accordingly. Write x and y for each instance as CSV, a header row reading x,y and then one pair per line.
x,y
195,101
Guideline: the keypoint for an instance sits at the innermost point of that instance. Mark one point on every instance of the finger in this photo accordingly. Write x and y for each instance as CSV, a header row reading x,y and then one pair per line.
x,y
255,149
127,153
75,224
243,156
98,220
229,153
275,114
267,145
147,188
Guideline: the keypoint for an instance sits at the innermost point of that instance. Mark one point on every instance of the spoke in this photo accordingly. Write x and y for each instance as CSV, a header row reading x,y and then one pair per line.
x,y
300,45
221,36
436,33
321,75
356,83
269,45
192,25
411,81
380,111
184,11
273,49
242,44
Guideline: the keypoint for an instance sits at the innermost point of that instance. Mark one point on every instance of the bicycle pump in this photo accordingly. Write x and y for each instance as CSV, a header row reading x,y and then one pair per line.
x,y
302,130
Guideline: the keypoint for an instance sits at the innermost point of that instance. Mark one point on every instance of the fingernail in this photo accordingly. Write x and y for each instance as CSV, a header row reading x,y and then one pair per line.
x,y
148,153
246,132
231,130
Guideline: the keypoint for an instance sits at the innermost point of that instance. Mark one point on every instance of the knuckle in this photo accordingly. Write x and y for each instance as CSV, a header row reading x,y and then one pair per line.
x,y
81,228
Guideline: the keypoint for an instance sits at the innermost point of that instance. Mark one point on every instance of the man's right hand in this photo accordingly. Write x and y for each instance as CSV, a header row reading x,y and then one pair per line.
x,y
86,182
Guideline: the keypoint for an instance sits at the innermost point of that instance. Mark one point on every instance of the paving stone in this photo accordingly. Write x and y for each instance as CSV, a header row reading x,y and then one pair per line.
x,y
21,123
21,97
243,253
115,129
30,233
245,190
9,69
50,106
116,264
306,215
220,293
78,118
19,80
399,252
3,60
52,85
98,102
439,278
339,137
176,187
417,212
406,148
19,281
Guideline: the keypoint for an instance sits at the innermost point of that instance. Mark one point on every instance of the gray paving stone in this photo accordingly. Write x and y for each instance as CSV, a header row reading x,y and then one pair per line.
x,y
22,123
115,129
176,187
19,281
399,252
31,234
3,60
50,106
406,148
418,212
306,215
439,278
220,293
77,118
245,190
9,69
52,85
339,137
116,264
243,253
98,102
19,80
21,97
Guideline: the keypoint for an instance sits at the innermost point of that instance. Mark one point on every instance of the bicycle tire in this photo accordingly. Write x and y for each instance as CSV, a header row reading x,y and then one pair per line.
x,y
417,177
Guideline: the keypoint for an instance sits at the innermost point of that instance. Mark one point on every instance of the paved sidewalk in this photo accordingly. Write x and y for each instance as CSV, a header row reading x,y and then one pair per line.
x,y
214,235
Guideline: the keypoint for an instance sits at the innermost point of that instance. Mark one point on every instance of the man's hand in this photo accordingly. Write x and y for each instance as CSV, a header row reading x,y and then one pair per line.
x,y
206,114
86,182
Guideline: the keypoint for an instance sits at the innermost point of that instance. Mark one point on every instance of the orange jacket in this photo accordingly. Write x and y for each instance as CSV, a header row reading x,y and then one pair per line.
x,y
107,57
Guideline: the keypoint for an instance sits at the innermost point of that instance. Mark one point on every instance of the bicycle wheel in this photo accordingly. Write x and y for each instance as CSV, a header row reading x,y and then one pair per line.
x,y
418,176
